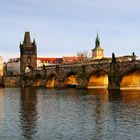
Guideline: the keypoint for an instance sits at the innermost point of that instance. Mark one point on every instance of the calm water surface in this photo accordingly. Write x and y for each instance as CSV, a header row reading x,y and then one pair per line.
x,y
69,114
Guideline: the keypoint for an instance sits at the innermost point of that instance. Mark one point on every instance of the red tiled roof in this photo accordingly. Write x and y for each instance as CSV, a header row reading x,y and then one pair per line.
x,y
48,59
71,58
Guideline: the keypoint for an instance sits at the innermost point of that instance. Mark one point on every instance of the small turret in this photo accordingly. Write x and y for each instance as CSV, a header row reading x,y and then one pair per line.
x,y
34,42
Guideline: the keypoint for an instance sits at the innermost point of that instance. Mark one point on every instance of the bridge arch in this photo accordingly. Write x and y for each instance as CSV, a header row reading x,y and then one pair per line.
x,y
98,79
130,79
51,80
36,79
71,79
37,76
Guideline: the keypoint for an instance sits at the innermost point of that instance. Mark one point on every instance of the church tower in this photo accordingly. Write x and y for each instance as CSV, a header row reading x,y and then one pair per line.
x,y
97,52
28,54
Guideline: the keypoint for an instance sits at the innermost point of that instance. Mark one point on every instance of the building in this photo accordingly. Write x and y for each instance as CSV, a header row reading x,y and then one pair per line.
x,y
71,59
13,67
48,61
1,66
97,52
54,61
28,54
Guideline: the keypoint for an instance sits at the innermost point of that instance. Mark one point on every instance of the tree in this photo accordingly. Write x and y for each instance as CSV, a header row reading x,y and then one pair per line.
x,y
83,56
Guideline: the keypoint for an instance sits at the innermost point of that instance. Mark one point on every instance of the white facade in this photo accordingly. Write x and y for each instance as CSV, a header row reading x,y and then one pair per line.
x,y
1,66
48,61
13,66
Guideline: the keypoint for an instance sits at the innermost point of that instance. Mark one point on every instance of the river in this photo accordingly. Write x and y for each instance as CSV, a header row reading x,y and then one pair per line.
x,y
69,114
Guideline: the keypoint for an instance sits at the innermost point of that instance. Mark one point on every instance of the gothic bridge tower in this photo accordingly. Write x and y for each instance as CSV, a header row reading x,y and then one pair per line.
x,y
28,54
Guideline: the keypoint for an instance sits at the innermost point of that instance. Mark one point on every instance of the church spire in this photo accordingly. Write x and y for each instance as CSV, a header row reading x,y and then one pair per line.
x,y
97,52
97,42
27,39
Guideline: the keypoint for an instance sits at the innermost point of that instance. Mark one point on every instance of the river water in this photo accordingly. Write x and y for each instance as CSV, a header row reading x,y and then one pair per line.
x,y
69,114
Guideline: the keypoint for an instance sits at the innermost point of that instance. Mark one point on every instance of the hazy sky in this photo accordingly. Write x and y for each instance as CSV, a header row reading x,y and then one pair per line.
x,y
65,27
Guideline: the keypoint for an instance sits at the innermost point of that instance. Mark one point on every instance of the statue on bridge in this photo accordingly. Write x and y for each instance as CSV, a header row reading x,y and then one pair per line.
x,y
113,58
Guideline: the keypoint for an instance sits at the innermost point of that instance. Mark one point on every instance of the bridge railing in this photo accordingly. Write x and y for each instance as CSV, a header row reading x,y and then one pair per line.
x,y
76,64
97,62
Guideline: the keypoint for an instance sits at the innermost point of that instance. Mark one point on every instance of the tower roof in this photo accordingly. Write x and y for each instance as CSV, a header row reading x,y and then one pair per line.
x,y
97,43
27,39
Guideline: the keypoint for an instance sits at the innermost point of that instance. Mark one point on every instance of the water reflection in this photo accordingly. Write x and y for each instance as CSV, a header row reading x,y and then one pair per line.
x,y
100,111
124,95
74,114
130,95
114,95
1,105
28,112
124,114
100,93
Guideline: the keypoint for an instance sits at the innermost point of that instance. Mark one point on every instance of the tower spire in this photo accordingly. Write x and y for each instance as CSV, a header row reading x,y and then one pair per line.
x,y
27,39
97,52
97,42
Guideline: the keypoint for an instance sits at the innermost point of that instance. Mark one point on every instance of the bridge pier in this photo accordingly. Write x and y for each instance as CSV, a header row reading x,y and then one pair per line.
x,y
114,75
113,83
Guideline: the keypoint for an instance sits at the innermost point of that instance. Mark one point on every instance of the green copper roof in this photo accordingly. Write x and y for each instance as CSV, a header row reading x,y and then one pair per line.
x,y
97,43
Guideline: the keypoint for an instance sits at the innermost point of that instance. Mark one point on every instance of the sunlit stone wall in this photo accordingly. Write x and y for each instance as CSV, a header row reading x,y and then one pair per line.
x,y
51,82
131,80
71,80
98,81
1,66
12,81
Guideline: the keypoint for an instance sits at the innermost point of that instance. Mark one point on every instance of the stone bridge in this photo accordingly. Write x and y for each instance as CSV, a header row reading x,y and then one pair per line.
x,y
95,74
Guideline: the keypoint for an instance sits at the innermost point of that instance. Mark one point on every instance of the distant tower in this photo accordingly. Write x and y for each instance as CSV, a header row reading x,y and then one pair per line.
x,y
97,52
28,54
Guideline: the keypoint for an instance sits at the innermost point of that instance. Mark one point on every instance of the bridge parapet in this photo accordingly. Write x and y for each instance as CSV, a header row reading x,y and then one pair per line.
x,y
123,67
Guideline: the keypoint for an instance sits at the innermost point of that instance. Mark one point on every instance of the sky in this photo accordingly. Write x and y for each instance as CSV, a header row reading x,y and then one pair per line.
x,y
66,27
